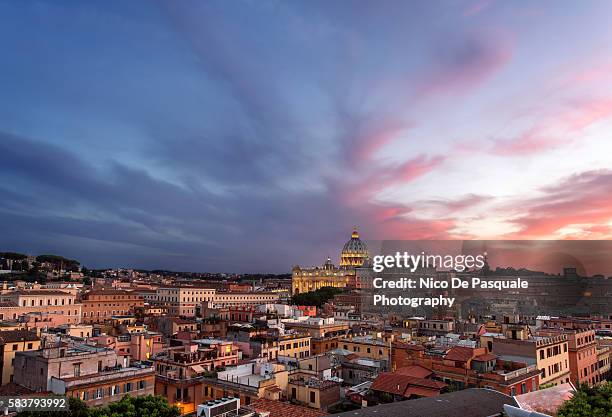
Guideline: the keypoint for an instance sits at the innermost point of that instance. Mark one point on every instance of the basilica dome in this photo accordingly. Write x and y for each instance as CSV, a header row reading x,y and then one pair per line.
x,y
355,252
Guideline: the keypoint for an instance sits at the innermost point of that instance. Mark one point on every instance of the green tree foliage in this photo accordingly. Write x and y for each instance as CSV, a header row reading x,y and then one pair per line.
x,y
13,255
316,298
148,406
68,264
589,402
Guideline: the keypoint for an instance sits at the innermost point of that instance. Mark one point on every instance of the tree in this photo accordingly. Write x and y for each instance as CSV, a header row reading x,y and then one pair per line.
x,y
148,406
316,298
13,256
589,402
59,262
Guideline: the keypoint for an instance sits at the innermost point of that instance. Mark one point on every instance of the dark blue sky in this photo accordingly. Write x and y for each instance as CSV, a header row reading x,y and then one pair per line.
x,y
252,135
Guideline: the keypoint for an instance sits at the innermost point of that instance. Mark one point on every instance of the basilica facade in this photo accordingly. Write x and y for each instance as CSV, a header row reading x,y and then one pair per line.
x,y
354,255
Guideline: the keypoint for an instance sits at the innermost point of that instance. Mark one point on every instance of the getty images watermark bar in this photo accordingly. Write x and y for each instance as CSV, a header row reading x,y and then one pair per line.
x,y
41,403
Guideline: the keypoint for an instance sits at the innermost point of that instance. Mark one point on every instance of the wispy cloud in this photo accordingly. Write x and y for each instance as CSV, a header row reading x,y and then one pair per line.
x,y
250,136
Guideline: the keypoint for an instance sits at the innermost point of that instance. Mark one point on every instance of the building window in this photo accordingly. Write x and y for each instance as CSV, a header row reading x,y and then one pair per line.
x,y
312,396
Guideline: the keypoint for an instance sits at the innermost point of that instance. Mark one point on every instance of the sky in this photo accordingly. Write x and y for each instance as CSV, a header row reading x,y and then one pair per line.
x,y
253,135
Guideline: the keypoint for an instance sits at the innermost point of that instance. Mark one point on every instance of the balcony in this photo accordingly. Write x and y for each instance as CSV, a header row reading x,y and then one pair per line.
x,y
521,371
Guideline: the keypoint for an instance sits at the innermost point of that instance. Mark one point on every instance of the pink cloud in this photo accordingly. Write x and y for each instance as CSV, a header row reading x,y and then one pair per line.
x,y
407,227
528,143
367,147
458,204
357,195
390,213
554,131
406,172
582,199
591,112
596,73
416,167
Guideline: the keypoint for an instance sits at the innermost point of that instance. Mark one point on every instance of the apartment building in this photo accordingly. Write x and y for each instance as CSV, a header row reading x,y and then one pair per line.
x,y
239,313
184,301
227,299
181,371
45,308
251,381
603,363
93,374
137,346
11,342
323,344
368,346
294,346
582,354
75,330
102,388
436,327
548,353
312,391
317,326
101,305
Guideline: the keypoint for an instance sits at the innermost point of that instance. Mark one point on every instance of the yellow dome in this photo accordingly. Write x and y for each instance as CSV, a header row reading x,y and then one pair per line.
x,y
355,252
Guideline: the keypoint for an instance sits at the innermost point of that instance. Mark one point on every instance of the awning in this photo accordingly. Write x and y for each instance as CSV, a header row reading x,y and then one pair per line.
x,y
198,369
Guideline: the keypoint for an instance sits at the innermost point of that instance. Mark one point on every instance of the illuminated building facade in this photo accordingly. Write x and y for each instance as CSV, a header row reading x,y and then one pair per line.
x,y
354,255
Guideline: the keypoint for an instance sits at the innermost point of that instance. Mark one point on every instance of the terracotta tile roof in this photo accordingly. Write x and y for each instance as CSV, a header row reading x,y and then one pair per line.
x,y
12,389
401,345
109,292
178,320
8,304
415,371
459,353
547,400
10,336
399,384
281,409
485,358
41,292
